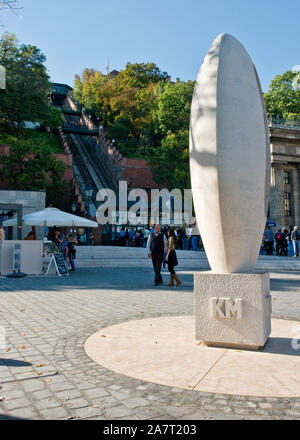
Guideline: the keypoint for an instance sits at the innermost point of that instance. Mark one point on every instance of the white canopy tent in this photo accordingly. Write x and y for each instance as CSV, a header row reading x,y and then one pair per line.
x,y
50,217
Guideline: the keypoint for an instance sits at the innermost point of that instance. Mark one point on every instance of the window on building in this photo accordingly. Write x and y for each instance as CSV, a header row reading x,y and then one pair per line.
x,y
287,177
287,204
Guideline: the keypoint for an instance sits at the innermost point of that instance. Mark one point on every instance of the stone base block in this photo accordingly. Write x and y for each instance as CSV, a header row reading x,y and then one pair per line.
x,y
232,310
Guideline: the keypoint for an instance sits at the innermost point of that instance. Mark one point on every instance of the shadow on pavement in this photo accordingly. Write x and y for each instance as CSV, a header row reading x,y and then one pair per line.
x,y
14,363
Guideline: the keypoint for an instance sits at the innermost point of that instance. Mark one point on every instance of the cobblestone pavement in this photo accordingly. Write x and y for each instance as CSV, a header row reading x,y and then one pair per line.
x,y
45,373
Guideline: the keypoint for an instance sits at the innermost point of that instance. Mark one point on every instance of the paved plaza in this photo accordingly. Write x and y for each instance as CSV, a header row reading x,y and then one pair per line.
x,y
46,374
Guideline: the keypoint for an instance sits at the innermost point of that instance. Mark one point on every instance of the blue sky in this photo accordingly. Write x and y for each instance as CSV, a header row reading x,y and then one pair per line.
x,y
174,34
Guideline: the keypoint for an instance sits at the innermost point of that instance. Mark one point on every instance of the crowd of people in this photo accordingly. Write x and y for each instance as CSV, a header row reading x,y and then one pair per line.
x,y
286,241
185,240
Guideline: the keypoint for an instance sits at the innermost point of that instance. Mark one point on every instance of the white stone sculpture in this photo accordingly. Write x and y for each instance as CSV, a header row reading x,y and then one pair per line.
x,y
230,174
229,157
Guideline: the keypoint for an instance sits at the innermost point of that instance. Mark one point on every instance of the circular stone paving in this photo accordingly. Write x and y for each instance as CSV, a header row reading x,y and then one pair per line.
x,y
163,351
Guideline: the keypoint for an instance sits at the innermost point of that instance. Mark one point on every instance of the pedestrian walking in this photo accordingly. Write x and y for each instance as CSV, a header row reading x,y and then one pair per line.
x,y
171,258
156,245
296,241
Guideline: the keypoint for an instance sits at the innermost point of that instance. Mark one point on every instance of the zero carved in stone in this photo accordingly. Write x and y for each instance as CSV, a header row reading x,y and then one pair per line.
x,y
226,308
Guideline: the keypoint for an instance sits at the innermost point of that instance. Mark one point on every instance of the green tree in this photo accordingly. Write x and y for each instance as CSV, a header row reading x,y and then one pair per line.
x,y
145,114
173,107
283,97
54,118
27,83
140,75
31,166
170,160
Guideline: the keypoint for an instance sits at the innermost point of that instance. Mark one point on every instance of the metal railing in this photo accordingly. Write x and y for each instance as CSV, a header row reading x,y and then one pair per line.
x,y
292,124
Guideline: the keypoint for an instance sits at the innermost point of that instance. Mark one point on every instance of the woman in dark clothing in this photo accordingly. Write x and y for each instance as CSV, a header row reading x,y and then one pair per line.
x,y
171,258
71,252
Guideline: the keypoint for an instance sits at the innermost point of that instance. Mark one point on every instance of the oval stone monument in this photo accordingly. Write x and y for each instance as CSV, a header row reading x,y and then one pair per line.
x,y
229,157
230,174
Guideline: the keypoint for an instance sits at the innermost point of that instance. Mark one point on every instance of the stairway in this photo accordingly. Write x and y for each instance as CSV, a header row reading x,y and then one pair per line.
x,y
114,256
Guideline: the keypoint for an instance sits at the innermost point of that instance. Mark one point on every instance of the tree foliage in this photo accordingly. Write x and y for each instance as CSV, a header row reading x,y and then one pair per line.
x,y
283,97
170,160
27,83
173,107
32,166
140,109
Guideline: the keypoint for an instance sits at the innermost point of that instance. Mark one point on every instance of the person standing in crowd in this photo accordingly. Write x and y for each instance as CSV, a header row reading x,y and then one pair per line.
x,y
126,237
290,243
285,242
51,234
171,258
141,238
185,239
83,239
122,237
71,252
189,238
2,233
268,241
146,236
92,239
179,239
156,245
137,238
58,241
131,237
279,242
195,242
296,241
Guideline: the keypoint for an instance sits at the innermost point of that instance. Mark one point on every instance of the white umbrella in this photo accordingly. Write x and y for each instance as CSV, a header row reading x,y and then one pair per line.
x,y
52,217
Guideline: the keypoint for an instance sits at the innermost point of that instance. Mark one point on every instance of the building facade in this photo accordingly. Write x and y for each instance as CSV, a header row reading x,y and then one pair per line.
x,y
31,201
284,207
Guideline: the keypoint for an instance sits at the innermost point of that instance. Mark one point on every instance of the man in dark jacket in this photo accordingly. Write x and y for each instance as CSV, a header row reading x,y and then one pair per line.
x,y
156,246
